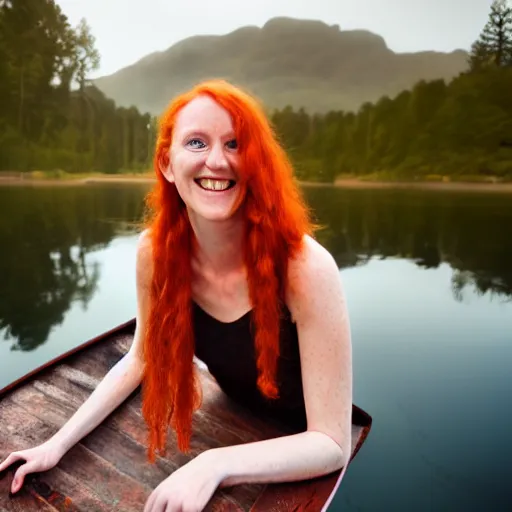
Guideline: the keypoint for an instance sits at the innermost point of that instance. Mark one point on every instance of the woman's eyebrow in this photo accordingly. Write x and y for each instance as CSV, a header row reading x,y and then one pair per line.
x,y
194,132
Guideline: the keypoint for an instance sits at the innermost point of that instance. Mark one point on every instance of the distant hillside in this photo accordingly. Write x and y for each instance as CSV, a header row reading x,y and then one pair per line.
x,y
287,61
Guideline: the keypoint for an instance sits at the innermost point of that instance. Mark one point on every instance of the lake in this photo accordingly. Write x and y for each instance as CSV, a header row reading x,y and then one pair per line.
x,y
428,279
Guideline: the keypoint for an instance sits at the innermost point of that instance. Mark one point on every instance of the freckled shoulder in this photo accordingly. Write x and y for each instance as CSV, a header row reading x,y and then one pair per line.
x,y
313,279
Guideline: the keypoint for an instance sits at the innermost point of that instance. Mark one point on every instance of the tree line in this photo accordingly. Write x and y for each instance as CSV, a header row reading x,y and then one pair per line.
x,y
51,117
462,129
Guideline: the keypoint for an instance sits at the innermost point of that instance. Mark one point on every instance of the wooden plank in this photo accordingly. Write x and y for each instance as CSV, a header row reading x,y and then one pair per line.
x,y
307,496
83,381
89,476
55,399
102,357
219,411
78,385
50,404
23,501
36,402
110,486
46,490
128,456
34,493
25,428
216,411
224,506
59,395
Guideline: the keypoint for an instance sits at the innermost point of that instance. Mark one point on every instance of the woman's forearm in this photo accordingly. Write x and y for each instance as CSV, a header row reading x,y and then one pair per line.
x,y
289,458
121,380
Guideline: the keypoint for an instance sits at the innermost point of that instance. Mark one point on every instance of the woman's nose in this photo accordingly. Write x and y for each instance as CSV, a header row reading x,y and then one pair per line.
x,y
216,157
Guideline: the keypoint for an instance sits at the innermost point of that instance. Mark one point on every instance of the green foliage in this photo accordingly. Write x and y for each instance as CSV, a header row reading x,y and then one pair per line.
x,y
494,47
455,130
50,117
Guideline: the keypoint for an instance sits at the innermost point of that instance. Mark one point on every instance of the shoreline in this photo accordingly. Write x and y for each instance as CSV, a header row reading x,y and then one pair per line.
x,y
38,182
426,185
349,183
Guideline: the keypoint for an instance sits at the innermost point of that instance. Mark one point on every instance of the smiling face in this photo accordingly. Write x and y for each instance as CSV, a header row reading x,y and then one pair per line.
x,y
204,160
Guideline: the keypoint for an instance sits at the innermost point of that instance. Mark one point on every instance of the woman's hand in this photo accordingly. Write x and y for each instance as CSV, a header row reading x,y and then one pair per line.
x,y
41,458
189,488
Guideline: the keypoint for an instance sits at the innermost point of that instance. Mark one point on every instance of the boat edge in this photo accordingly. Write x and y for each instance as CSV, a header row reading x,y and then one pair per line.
x,y
79,348
366,422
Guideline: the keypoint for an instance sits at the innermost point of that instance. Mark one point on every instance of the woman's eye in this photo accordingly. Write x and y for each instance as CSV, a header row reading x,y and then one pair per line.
x,y
232,144
195,143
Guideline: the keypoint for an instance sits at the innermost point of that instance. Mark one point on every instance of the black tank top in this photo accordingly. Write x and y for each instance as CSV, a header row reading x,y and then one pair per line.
x,y
227,349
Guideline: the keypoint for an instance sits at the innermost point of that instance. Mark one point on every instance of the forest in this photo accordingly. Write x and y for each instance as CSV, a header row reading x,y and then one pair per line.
x,y
52,118
460,130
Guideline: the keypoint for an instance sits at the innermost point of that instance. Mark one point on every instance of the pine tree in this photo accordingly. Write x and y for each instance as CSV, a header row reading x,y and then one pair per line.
x,y
494,47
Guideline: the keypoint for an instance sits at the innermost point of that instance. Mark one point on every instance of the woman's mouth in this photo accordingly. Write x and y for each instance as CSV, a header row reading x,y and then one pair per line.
x,y
215,185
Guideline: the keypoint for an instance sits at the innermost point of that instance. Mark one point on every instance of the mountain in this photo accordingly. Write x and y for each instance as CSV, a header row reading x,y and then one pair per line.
x,y
304,63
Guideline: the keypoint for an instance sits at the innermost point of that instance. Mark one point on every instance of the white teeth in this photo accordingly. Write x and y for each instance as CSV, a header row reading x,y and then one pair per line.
x,y
210,184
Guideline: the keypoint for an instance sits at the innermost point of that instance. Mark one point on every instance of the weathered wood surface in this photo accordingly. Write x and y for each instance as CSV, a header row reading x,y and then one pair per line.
x,y
108,470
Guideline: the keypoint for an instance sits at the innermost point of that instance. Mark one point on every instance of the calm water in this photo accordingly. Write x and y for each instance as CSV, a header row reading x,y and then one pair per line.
x,y
428,277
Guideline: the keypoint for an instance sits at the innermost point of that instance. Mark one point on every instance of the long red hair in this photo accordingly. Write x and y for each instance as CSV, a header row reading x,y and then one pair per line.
x,y
276,220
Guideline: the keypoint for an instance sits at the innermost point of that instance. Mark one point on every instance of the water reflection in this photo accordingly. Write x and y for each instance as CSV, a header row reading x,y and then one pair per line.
x,y
45,235
467,231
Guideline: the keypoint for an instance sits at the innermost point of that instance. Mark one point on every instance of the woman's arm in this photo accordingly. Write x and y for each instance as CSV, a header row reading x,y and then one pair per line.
x,y
284,459
317,303
124,377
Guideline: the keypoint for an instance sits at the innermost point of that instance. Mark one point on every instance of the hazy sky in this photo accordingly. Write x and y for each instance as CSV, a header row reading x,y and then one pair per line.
x,y
127,30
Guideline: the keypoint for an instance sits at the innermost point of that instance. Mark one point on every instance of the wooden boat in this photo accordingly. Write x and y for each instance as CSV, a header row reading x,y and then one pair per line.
x,y
108,469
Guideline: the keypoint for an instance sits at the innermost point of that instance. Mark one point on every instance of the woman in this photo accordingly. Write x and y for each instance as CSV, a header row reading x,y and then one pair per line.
x,y
228,239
